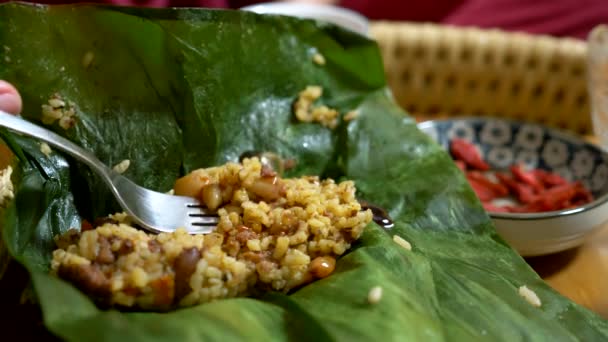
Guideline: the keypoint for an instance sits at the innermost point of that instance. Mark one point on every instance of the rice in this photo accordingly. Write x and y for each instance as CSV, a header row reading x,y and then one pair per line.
x,y
350,116
375,295
402,242
306,112
530,296
6,186
45,149
318,59
273,234
325,116
122,166
57,110
87,59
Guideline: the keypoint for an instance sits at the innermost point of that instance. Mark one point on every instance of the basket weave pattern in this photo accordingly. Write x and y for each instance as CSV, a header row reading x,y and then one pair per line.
x,y
437,71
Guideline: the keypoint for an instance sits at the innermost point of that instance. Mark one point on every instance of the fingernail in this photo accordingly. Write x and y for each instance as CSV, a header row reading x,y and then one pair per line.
x,y
10,103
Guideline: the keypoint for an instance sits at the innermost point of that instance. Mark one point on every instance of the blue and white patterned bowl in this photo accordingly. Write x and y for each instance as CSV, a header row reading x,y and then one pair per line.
x,y
503,143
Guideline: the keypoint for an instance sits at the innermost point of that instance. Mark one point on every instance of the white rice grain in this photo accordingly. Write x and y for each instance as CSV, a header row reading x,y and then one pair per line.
x,y
350,116
122,166
87,59
56,103
6,186
57,110
402,242
318,58
45,149
242,255
530,296
375,295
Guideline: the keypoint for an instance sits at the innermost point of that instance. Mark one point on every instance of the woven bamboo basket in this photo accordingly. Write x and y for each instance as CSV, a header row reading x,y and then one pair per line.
x,y
438,71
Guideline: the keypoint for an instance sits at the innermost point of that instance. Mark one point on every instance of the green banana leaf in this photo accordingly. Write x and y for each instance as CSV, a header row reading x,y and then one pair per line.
x,y
177,89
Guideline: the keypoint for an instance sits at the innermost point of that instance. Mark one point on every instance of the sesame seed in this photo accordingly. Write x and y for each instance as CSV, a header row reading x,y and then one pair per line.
x,y
375,295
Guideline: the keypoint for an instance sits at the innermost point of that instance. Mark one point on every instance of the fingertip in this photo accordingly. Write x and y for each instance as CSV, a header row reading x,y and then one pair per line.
x,y
10,100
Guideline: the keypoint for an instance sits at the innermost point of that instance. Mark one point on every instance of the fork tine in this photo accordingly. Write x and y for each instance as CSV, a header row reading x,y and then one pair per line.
x,y
201,229
142,204
204,217
204,224
210,215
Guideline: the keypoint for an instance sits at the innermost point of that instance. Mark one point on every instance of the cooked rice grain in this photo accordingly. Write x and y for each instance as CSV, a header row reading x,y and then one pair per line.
x,y
87,59
262,242
350,116
6,186
402,242
306,112
375,295
530,296
57,110
318,59
45,149
122,166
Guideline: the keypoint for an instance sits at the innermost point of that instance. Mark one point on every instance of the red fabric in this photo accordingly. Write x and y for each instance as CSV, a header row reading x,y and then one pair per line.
x,y
416,10
573,18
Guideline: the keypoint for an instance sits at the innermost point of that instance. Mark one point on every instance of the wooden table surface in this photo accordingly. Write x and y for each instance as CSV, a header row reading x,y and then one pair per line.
x,y
580,274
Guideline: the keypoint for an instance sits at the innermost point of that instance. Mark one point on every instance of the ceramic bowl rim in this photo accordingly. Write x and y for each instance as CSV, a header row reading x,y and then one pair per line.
x,y
554,131
359,23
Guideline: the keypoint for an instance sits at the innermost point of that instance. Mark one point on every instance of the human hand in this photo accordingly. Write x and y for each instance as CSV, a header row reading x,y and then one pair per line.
x,y
10,100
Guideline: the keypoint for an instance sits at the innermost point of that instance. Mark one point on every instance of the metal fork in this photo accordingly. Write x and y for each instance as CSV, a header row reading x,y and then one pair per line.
x,y
154,211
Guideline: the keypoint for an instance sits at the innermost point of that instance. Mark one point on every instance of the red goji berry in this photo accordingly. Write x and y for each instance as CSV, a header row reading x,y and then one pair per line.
x,y
536,190
549,179
499,189
465,151
461,165
560,193
527,177
483,192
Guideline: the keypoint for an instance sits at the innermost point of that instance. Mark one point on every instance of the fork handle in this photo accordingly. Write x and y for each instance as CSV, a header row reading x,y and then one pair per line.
x,y
19,125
